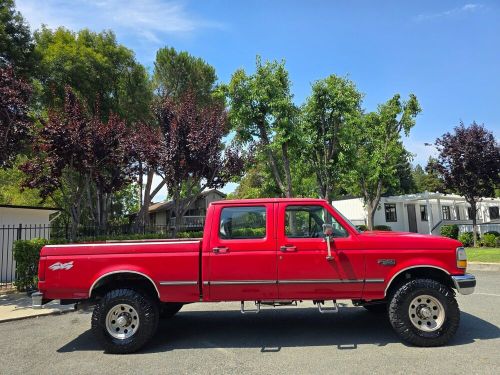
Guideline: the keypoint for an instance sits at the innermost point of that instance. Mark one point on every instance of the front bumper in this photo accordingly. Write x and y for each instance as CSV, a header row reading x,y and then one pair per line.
x,y
465,284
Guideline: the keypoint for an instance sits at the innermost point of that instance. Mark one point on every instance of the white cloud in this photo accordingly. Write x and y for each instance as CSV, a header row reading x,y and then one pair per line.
x,y
465,9
149,19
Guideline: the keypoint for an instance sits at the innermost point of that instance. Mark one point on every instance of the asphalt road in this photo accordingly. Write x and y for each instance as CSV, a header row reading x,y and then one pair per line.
x,y
217,339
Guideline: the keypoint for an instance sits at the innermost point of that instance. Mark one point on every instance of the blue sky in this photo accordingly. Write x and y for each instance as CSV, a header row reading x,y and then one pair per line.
x,y
445,52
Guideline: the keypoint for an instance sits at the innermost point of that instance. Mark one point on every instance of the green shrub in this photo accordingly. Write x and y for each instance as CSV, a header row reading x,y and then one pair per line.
x,y
386,228
494,232
26,255
450,231
466,238
489,240
191,234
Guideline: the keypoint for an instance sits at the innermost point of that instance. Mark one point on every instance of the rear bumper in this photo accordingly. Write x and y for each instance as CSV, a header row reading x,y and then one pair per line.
x,y
465,284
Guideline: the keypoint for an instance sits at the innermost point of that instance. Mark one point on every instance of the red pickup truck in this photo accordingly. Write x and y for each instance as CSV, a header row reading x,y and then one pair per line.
x,y
267,252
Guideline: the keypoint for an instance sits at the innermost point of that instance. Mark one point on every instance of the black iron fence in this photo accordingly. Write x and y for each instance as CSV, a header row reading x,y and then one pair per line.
x,y
63,234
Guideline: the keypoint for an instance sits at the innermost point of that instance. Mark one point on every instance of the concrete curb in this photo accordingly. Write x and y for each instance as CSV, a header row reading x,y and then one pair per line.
x,y
57,312
480,266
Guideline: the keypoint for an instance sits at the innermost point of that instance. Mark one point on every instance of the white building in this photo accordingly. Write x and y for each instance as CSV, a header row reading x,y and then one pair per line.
x,y
20,222
424,212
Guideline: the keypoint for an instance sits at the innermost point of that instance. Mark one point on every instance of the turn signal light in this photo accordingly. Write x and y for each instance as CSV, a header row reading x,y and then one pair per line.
x,y
461,258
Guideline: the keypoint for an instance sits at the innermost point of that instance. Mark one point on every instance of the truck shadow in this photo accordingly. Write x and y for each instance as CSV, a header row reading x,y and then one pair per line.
x,y
272,330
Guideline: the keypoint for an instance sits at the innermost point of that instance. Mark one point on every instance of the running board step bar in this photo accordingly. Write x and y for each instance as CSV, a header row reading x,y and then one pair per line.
x,y
254,311
327,310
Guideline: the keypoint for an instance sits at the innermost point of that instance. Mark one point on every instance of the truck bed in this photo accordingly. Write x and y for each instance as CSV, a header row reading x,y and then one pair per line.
x,y
172,265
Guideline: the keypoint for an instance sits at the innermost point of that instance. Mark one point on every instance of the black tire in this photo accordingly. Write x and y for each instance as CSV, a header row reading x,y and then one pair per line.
x,y
399,313
146,312
378,308
169,309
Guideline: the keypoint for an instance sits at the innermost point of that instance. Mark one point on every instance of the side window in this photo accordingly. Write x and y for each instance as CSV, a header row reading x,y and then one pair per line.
x,y
242,222
307,222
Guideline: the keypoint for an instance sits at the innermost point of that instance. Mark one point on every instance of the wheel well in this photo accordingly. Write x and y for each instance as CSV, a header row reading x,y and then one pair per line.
x,y
123,279
418,273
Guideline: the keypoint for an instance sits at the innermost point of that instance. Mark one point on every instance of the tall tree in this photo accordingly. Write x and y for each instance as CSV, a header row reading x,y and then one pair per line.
x,y
329,115
176,73
262,112
194,157
97,68
16,42
469,163
15,122
380,150
76,155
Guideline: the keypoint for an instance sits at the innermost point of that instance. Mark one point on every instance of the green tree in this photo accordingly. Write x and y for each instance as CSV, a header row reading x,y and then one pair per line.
x,y
427,179
176,73
380,150
329,115
100,71
16,42
262,113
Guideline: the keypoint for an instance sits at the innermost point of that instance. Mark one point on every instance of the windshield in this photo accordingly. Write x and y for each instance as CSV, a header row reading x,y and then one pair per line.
x,y
346,220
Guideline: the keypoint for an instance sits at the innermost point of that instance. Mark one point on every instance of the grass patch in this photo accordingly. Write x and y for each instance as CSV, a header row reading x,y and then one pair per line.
x,y
483,254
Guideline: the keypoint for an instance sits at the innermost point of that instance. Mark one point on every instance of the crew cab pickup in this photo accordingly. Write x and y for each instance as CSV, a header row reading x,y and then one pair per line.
x,y
262,252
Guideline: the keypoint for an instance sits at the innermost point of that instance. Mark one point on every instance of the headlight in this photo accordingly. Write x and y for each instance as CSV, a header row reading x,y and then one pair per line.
x,y
461,258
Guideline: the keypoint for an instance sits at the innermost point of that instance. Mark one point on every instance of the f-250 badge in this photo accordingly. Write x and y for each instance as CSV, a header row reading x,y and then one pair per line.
x,y
61,266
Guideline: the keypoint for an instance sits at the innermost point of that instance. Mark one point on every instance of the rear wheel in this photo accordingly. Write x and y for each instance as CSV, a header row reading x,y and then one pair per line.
x,y
125,320
424,312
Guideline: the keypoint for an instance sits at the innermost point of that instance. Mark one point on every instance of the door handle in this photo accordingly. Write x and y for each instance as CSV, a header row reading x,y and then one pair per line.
x,y
220,250
288,248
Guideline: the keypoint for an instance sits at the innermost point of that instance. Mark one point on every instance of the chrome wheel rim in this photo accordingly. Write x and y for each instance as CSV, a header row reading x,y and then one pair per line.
x,y
122,321
426,313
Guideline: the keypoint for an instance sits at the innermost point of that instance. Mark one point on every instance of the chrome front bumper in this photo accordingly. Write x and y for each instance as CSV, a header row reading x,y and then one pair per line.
x,y
465,284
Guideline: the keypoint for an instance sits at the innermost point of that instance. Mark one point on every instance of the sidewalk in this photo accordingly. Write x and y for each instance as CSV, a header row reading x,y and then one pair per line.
x,y
17,306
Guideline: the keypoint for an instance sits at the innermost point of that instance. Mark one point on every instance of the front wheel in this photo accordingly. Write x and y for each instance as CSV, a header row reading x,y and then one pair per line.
x,y
424,312
124,320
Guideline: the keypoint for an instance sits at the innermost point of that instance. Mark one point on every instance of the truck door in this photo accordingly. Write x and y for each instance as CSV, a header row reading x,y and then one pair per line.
x,y
242,260
304,272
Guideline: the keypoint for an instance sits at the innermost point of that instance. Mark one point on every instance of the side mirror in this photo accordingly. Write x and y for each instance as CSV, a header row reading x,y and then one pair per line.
x,y
327,230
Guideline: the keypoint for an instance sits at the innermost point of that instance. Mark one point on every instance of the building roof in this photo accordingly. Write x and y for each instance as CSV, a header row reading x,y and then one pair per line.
x,y
163,206
30,207
425,195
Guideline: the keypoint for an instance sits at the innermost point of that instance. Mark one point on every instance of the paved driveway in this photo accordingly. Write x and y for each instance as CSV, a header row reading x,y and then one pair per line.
x,y
217,339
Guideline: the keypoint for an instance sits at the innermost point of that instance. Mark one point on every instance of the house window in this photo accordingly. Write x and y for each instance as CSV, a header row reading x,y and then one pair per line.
x,y
457,212
152,219
242,222
390,213
494,214
469,213
423,212
446,213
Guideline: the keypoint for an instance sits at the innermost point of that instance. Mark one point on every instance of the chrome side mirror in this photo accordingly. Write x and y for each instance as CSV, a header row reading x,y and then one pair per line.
x,y
328,232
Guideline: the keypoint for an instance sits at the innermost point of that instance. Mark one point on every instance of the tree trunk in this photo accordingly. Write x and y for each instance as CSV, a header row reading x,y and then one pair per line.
x,y
371,215
142,218
473,209
286,167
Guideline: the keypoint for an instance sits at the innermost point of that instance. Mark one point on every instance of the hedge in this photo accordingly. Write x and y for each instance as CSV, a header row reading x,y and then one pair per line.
x,y
27,253
386,228
466,238
490,240
450,231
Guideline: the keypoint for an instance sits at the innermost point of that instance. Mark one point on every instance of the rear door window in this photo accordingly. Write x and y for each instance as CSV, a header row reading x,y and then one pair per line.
x,y
242,222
